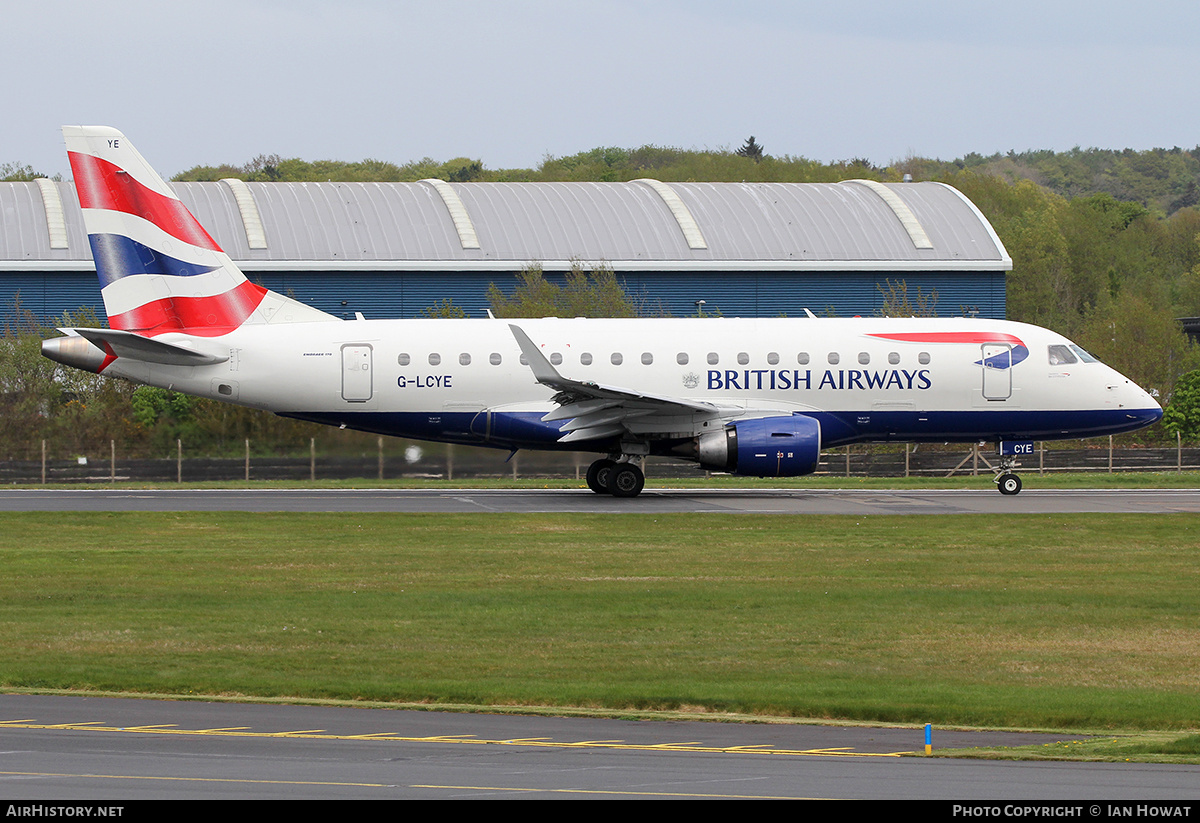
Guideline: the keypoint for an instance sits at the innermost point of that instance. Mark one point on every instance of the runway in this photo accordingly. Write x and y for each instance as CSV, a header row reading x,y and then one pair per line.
x,y
652,501
109,750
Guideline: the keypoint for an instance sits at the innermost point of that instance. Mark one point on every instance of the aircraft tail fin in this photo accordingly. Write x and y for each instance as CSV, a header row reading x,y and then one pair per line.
x,y
159,270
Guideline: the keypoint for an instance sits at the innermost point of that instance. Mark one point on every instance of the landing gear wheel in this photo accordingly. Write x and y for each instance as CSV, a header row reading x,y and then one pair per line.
x,y
1008,483
598,474
626,480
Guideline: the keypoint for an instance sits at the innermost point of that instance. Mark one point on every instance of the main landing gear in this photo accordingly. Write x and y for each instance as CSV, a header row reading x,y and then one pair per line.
x,y
620,479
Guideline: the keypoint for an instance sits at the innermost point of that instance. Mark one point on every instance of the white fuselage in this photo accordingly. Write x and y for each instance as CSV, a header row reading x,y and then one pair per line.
x,y
865,379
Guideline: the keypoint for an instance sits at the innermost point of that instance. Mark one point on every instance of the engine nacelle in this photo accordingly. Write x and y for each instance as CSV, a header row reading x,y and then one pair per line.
x,y
764,447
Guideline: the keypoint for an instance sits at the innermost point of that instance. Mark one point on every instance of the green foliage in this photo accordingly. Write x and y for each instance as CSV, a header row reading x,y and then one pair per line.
x,y
898,303
1142,342
275,169
444,309
1163,179
594,292
40,399
18,173
1182,414
167,415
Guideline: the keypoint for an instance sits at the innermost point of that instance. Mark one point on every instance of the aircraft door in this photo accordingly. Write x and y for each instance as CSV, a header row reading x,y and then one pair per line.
x,y
997,371
356,373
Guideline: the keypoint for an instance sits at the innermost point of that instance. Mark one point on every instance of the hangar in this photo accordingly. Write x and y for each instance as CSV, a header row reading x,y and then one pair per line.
x,y
395,249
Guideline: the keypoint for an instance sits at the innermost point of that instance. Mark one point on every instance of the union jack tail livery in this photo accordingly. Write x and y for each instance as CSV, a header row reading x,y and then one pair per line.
x,y
159,270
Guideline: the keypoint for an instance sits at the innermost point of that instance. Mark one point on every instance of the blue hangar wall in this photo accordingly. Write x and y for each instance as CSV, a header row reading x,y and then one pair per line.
x,y
378,295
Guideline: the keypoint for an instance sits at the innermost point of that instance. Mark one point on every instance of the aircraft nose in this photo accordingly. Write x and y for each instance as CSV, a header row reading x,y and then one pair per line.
x,y
1143,405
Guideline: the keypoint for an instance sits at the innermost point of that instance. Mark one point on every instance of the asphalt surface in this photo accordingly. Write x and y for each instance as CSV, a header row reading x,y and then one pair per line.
x,y
694,501
112,750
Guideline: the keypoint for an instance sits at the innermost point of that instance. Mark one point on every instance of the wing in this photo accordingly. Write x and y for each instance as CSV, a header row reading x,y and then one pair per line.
x,y
594,411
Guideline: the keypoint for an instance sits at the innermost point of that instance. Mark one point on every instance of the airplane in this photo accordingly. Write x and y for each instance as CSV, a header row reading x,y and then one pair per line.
x,y
754,397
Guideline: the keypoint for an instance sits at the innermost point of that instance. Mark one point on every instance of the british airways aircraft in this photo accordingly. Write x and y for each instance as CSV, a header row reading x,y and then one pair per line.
x,y
748,396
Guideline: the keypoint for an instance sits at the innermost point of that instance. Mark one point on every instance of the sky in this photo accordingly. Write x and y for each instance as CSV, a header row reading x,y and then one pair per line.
x,y
510,83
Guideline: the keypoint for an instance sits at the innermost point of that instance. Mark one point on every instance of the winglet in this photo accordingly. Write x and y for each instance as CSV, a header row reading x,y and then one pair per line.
x,y
543,371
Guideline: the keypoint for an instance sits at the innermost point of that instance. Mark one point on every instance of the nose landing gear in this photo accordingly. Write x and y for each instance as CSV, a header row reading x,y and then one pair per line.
x,y
1007,480
1008,483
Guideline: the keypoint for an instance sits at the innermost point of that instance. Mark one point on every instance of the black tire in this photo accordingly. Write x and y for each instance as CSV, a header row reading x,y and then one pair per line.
x,y
626,480
598,474
1009,484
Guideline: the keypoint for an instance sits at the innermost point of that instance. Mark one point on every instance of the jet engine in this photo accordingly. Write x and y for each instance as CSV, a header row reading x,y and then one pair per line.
x,y
763,447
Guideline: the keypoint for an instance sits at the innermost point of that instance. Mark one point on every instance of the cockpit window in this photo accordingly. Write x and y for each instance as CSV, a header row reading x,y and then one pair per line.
x,y
1084,356
1060,355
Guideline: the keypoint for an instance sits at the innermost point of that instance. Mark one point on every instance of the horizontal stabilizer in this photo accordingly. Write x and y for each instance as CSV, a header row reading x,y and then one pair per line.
x,y
149,350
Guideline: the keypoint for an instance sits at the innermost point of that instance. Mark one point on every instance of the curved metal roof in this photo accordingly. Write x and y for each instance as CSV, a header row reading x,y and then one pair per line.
x,y
642,225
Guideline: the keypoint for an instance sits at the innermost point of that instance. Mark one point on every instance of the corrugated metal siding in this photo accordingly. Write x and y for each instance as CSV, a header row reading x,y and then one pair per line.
x,y
406,225
949,225
391,249
354,221
558,221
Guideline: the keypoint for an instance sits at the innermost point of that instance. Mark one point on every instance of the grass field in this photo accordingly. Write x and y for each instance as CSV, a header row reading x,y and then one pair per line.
x,y
1080,621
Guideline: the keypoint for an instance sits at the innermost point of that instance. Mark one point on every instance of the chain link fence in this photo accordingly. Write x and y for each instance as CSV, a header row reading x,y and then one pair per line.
x,y
394,459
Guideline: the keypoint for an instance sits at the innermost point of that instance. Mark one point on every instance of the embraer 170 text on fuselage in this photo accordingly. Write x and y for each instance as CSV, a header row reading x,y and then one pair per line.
x,y
749,396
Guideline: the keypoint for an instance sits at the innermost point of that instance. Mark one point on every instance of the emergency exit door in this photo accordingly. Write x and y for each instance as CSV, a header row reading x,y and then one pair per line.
x,y
356,373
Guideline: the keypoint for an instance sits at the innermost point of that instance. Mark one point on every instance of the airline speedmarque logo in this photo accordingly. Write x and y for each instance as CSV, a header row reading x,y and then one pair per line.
x,y
830,379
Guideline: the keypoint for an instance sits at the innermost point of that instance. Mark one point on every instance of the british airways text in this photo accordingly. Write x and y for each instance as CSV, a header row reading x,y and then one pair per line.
x,y
841,379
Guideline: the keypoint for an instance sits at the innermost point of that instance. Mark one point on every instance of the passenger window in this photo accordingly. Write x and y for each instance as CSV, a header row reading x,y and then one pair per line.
x,y
923,358
773,358
743,358
894,358
585,358
524,360
863,358
1060,355
834,358
713,359
647,358
495,359
556,359
464,359
435,359
403,360
802,358
681,358
616,358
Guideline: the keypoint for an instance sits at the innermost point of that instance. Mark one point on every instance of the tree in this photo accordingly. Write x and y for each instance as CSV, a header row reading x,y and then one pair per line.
x,y
443,309
897,303
751,149
165,415
18,173
1182,414
586,293
1141,341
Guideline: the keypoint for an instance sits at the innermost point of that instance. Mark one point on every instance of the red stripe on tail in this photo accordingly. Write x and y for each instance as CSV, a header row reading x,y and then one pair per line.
x,y
201,316
102,185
